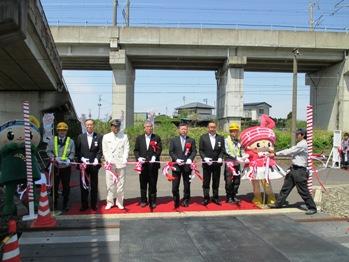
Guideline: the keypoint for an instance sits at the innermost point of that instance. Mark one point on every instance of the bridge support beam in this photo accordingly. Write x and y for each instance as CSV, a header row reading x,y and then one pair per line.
x,y
329,95
123,87
39,101
230,78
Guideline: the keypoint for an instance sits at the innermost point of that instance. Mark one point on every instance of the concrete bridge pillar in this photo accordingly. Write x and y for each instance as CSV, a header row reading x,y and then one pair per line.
x,y
329,95
230,79
123,87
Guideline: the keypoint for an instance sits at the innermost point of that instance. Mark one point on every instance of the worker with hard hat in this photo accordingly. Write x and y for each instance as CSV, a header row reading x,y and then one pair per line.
x,y
61,151
232,170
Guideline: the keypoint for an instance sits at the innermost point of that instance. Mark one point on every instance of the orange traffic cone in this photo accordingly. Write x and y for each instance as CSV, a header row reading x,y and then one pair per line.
x,y
11,248
44,215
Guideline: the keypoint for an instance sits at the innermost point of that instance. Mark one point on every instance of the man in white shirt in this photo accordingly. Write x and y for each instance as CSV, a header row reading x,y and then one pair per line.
x,y
89,152
298,174
115,146
147,151
211,148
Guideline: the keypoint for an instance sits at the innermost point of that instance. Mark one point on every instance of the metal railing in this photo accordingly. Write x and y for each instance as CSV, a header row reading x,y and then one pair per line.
x,y
236,26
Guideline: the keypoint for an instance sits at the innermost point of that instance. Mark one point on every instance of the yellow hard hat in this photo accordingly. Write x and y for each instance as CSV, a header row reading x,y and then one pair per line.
x,y
234,126
62,126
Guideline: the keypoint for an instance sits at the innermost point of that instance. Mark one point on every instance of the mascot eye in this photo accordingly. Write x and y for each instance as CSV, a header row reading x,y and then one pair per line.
x,y
31,135
258,145
269,145
10,135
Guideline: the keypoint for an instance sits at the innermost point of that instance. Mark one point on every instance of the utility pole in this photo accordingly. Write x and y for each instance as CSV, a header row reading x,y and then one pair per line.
x,y
115,12
128,13
99,105
294,97
89,113
311,6
183,100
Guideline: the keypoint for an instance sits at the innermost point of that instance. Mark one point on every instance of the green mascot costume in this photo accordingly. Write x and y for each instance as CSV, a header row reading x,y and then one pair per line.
x,y
12,158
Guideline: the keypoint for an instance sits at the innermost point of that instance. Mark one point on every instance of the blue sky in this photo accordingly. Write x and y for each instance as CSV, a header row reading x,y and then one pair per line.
x,y
197,86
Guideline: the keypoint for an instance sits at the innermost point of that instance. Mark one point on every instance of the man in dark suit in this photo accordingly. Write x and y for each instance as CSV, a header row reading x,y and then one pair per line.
x,y
147,151
89,151
182,151
211,149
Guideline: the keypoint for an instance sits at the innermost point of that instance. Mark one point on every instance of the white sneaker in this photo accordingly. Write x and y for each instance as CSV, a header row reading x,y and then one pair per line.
x,y
120,206
108,206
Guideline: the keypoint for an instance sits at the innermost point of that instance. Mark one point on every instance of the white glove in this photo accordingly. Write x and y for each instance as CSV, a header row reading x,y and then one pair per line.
x,y
219,160
180,161
208,160
124,162
95,162
84,160
189,162
153,159
141,160
64,163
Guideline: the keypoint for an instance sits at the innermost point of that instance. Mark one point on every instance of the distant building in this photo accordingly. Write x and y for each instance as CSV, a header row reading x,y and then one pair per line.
x,y
253,111
195,112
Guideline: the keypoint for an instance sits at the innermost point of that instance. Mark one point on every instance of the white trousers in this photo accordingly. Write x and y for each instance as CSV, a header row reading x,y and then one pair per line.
x,y
115,190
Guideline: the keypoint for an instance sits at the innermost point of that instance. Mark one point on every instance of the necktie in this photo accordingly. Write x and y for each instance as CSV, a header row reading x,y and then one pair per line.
x,y
60,142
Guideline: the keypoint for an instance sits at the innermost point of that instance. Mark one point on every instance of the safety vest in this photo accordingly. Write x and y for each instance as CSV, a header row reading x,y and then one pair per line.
x,y
234,147
66,146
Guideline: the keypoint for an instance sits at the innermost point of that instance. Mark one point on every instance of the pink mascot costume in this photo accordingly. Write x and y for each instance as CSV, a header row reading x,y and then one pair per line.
x,y
258,143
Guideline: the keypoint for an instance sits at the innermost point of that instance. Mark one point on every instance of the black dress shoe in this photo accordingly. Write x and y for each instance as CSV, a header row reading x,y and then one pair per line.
x,y
185,203
205,202
216,201
153,205
83,208
236,200
229,200
94,208
144,204
176,205
65,209
311,212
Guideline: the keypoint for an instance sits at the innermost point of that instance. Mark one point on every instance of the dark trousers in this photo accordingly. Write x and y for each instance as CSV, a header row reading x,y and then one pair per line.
x,y
148,179
92,173
232,183
185,173
345,164
213,171
297,177
62,175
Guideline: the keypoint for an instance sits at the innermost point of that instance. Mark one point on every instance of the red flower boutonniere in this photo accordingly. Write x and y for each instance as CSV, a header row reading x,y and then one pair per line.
x,y
154,145
187,148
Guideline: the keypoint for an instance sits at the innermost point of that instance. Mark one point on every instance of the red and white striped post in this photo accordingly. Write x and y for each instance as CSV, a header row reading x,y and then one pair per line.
x,y
310,146
28,161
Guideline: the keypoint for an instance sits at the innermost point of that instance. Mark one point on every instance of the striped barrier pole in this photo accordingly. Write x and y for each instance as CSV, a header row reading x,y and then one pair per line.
x,y
28,161
310,146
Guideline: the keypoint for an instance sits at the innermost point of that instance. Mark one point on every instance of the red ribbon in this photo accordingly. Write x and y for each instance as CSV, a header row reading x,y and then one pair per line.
x,y
231,168
84,177
316,173
108,168
194,169
138,167
165,171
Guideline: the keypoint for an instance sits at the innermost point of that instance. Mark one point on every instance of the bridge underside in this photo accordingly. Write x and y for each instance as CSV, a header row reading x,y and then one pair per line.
x,y
96,57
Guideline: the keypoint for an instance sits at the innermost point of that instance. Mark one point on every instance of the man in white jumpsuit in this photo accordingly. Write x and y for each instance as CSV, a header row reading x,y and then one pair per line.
x,y
115,148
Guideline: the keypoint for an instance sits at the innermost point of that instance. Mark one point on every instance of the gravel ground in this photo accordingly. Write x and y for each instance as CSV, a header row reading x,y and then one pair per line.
x,y
336,201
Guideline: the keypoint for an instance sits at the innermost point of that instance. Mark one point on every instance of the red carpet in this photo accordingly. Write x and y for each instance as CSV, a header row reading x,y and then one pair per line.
x,y
164,204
